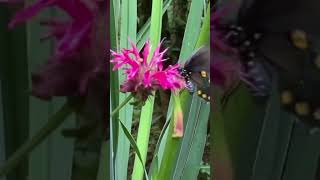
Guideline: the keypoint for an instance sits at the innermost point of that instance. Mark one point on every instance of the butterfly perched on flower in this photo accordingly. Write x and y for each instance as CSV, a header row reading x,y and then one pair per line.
x,y
196,72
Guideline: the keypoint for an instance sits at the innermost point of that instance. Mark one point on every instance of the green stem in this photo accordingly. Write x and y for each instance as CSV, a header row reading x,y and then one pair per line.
x,y
53,123
115,111
143,140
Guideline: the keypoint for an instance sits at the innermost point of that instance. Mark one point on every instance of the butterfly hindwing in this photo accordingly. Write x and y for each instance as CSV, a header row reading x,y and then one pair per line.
x,y
204,93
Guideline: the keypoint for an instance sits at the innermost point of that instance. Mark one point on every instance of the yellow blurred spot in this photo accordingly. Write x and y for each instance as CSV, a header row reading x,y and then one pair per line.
x,y
302,108
204,96
203,73
286,97
299,39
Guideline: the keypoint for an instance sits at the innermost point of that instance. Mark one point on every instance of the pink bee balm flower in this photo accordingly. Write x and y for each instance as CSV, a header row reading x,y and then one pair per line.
x,y
142,76
71,34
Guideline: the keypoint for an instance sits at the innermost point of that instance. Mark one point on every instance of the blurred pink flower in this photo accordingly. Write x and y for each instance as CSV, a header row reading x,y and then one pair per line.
x,y
80,57
79,65
71,34
142,76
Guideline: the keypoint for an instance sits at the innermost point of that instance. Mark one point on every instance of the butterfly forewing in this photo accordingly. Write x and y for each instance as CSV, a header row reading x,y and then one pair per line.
x,y
199,61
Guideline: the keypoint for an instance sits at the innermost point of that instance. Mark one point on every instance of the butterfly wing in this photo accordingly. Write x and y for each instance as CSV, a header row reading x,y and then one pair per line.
x,y
198,71
298,73
199,61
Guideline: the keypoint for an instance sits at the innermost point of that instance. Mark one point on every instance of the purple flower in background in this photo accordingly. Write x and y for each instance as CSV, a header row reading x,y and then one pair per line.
x,y
225,67
142,76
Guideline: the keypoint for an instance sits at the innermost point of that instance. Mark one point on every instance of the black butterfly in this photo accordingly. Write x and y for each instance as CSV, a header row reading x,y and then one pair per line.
x,y
196,72
284,41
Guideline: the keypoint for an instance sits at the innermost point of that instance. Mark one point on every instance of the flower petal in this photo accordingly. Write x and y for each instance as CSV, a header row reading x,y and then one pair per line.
x,y
146,51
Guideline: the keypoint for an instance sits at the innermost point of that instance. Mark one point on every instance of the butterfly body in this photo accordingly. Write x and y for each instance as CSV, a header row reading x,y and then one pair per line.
x,y
257,77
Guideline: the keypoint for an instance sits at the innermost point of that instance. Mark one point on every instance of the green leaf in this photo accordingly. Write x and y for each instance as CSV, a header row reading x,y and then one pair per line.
x,y
135,147
111,160
15,95
147,109
114,79
169,146
242,120
53,123
128,29
220,155
274,140
303,157
192,31
143,33
155,161
49,162
104,169
233,126
193,143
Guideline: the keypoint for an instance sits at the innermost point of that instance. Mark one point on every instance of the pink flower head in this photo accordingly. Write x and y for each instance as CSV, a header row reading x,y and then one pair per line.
x,y
71,34
144,76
